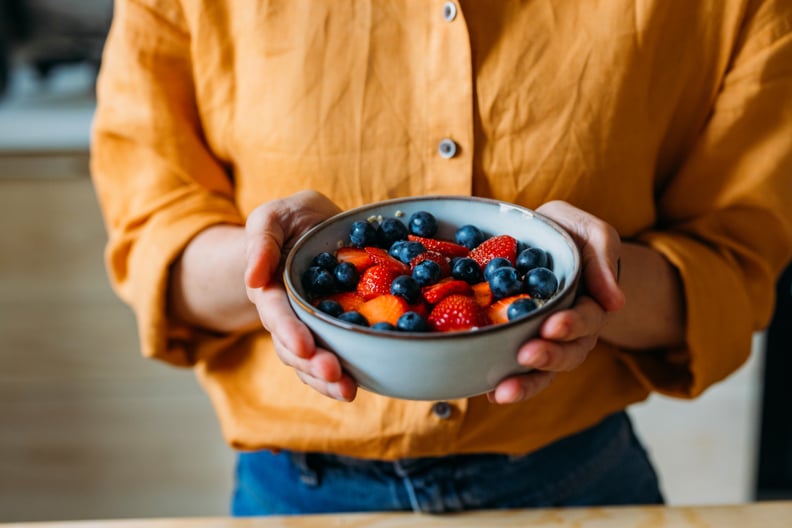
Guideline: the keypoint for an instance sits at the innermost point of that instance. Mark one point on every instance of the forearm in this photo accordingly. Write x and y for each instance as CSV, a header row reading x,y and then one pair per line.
x,y
207,287
654,314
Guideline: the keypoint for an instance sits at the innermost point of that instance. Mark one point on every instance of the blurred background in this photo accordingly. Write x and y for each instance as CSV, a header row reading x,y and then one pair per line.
x,y
89,429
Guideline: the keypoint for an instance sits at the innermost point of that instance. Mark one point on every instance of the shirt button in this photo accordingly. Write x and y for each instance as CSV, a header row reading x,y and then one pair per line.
x,y
447,148
449,11
442,410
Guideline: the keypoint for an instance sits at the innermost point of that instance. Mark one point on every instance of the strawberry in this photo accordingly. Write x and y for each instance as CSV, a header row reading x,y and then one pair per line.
x,y
357,256
444,247
457,312
380,257
434,256
437,292
482,294
384,308
497,312
420,308
375,281
349,301
498,246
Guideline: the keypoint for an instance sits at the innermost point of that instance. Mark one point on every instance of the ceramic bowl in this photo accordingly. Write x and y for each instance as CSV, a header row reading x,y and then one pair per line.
x,y
434,366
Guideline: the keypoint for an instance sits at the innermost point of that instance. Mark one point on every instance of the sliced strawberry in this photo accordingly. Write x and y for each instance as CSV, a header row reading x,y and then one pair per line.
x,y
437,292
498,246
420,308
357,256
384,308
457,312
444,247
375,281
349,301
498,311
441,260
380,257
482,293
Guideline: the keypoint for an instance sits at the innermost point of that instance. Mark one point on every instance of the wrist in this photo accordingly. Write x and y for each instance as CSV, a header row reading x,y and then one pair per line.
x,y
654,312
206,286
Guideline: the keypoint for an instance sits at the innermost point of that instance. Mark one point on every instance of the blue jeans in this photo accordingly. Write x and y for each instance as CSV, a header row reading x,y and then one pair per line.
x,y
603,465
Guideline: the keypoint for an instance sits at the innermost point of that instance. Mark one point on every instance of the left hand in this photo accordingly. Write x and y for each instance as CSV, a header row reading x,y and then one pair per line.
x,y
566,337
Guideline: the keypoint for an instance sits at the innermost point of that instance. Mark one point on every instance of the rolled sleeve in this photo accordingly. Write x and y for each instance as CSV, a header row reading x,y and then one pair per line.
x,y
727,213
157,181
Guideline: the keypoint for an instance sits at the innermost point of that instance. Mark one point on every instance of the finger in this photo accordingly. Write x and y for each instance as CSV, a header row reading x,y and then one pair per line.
x,y
519,388
279,319
342,390
554,356
599,245
323,365
584,318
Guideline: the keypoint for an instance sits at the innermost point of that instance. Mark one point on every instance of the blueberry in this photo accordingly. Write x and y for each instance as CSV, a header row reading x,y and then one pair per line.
x,y
423,224
492,265
396,249
354,318
330,307
383,325
346,276
466,269
389,231
520,308
531,258
412,322
406,251
426,272
504,282
362,234
406,287
469,236
540,283
318,281
325,260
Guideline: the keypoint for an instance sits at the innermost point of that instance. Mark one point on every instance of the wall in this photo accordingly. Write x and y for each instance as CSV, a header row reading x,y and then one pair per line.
x,y
89,429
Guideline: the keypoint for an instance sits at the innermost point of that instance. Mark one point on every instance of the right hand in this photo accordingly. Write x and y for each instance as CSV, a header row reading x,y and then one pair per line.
x,y
271,230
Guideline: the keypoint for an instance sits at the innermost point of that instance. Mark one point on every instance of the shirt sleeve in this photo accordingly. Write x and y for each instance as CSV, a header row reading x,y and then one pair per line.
x,y
726,213
157,182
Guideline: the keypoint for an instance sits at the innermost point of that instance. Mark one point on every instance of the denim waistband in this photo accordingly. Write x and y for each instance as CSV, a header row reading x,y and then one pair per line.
x,y
604,464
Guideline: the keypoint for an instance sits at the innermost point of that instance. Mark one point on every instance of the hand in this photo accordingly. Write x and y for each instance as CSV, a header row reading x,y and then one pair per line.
x,y
566,337
270,231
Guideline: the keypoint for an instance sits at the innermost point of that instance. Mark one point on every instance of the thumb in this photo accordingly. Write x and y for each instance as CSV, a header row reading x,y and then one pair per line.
x,y
271,227
265,239
599,244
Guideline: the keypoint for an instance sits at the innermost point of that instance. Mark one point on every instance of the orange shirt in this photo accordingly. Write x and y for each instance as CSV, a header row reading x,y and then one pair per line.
x,y
670,119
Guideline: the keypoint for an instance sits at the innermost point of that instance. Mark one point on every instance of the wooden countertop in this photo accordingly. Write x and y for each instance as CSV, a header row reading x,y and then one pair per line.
x,y
762,515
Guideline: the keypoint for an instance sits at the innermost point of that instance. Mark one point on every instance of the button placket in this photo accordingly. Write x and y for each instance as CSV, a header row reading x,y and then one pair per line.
x,y
449,85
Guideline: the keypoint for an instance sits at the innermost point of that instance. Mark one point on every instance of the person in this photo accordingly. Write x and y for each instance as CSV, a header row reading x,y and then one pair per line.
x,y
658,133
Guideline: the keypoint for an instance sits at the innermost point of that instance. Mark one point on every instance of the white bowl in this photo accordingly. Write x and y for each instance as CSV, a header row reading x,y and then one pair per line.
x,y
434,366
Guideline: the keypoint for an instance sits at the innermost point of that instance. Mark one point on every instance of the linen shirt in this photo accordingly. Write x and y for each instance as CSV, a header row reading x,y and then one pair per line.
x,y
669,119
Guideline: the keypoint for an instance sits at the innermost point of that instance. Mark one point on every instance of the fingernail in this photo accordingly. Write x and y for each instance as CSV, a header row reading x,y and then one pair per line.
x,y
510,396
335,391
519,395
561,331
536,358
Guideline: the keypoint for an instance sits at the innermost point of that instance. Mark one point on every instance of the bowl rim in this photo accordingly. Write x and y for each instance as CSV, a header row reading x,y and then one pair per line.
x,y
547,306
